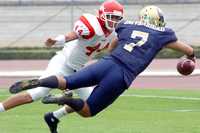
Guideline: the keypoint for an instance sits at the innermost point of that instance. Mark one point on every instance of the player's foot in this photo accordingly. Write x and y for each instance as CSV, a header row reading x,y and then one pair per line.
x,y
50,99
68,93
51,121
55,99
23,85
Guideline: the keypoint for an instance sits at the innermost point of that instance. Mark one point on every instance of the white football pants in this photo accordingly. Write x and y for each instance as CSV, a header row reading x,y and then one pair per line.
x,y
58,66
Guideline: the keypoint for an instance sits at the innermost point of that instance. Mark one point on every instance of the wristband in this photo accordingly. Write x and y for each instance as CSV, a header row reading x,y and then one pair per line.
x,y
60,40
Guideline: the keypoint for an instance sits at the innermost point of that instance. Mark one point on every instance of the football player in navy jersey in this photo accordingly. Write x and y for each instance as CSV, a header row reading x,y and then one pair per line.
x,y
136,45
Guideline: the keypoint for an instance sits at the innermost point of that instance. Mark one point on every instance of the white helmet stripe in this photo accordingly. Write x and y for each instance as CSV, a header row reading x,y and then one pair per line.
x,y
94,23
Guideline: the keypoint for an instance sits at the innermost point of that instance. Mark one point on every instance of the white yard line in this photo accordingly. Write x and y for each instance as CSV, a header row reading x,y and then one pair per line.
x,y
33,73
163,97
141,96
152,96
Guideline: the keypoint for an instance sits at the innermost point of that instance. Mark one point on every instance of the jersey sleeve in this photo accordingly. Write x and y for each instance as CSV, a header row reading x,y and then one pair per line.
x,y
168,36
83,28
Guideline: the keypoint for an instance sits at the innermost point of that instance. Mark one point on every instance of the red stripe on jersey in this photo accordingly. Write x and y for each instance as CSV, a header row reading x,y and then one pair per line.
x,y
104,29
91,29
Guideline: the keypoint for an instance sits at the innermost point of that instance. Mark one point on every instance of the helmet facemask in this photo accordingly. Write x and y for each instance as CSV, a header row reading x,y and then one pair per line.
x,y
111,12
111,20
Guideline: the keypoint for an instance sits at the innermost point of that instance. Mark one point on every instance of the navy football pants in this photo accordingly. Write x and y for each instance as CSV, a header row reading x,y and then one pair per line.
x,y
109,78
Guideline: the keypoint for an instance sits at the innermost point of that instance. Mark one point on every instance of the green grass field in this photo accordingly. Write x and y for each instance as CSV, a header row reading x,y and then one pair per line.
x,y
138,111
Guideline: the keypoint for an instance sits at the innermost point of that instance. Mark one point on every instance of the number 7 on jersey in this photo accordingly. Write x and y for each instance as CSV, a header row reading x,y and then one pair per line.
x,y
144,37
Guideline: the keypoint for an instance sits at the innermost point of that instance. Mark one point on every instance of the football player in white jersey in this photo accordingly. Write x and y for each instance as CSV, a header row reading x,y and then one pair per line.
x,y
91,34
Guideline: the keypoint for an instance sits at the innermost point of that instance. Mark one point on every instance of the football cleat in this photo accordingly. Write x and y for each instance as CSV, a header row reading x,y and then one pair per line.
x,y
68,93
56,99
23,85
51,99
51,121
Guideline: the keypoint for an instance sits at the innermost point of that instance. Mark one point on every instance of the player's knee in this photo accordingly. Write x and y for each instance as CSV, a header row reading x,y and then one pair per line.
x,y
85,115
89,114
94,110
38,93
85,111
94,114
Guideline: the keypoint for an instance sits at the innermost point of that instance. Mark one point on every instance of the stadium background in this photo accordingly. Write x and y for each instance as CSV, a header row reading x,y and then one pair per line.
x,y
29,22
161,106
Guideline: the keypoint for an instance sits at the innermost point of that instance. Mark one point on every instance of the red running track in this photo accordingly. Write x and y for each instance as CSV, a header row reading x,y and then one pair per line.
x,y
179,82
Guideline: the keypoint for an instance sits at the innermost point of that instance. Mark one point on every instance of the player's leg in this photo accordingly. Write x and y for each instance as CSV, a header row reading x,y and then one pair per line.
x,y
107,91
36,93
56,66
83,93
86,77
102,96
52,118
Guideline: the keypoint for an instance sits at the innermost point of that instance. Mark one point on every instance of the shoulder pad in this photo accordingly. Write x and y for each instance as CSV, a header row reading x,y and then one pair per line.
x,y
93,21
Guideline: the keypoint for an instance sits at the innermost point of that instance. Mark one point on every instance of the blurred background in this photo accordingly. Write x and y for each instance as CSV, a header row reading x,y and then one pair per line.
x,y
160,101
27,23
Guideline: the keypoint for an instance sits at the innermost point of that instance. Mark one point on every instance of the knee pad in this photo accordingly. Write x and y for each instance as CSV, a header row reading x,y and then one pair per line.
x,y
38,92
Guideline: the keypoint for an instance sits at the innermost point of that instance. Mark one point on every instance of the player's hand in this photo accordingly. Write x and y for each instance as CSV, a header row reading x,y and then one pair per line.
x,y
192,57
50,42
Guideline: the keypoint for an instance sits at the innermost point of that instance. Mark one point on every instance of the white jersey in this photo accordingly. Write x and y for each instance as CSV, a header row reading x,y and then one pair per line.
x,y
92,38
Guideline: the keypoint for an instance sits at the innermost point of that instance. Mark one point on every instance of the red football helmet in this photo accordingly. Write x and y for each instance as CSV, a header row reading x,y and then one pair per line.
x,y
111,12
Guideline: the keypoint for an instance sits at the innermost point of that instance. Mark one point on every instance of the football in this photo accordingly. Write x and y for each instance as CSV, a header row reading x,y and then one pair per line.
x,y
185,67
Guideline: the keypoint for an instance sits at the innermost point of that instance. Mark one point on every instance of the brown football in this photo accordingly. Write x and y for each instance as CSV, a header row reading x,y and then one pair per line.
x,y
185,66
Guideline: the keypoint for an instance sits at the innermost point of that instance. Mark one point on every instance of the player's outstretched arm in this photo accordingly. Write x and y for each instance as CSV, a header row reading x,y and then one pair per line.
x,y
182,47
61,39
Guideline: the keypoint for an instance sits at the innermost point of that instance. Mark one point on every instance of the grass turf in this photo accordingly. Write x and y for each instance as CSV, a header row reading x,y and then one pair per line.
x,y
139,111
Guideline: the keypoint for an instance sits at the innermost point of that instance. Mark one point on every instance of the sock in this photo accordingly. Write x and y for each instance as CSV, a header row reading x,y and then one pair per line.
x,y
60,113
50,82
1,108
75,103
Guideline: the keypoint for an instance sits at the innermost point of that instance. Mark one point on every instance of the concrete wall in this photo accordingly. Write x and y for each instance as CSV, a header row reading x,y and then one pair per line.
x,y
31,25
86,2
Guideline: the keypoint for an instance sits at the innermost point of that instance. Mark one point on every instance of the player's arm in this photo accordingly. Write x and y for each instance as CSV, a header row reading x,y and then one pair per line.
x,y
81,30
113,44
61,39
182,47
109,49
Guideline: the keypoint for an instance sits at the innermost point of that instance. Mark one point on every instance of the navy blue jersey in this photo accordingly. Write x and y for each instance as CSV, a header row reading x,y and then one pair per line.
x,y
138,44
